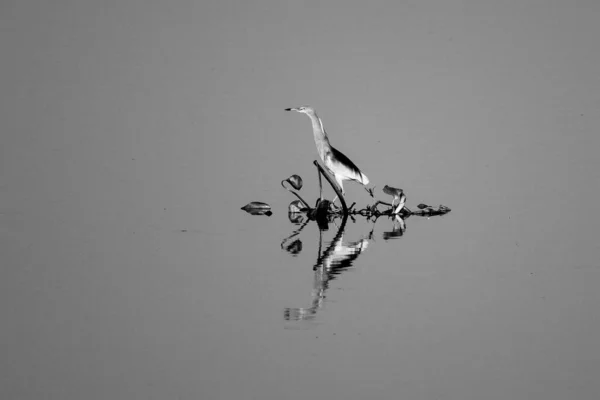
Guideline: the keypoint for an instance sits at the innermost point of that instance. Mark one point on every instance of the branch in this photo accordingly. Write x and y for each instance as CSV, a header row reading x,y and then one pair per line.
x,y
295,194
334,186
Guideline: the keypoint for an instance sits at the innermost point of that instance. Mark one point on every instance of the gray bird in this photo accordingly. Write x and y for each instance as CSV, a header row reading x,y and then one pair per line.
x,y
334,160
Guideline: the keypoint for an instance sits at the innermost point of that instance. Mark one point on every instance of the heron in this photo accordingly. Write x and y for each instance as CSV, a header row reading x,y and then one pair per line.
x,y
335,162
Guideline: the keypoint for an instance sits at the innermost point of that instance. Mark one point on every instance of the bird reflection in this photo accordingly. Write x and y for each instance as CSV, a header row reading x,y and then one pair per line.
x,y
337,258
398,229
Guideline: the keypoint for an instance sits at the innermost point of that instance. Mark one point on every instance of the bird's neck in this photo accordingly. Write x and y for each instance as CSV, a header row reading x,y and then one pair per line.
x,y
321,139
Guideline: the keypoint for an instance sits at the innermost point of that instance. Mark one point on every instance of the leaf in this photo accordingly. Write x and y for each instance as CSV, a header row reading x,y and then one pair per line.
x,y
257,208
268,213
256,205
392,191
295,181
444,209
296,206
296,218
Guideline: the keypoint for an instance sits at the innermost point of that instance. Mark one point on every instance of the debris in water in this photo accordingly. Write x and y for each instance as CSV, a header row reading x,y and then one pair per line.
x,y
257,208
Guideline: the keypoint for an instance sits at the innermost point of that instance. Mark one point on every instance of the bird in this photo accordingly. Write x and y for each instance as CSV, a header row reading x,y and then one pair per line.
x,y
335,162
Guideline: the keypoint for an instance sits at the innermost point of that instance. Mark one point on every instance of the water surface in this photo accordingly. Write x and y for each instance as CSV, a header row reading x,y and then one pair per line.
x,y
133,134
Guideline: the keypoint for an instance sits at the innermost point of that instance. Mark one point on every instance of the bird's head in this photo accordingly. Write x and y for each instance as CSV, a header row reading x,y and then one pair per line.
x,y
302,109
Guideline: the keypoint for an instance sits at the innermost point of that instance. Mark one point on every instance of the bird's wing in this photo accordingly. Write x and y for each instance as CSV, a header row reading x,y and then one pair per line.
x,y
347,168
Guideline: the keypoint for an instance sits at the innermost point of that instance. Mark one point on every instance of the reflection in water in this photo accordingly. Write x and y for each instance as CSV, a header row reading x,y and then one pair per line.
x,y
296,218
294,247
337,258
398,229
334,260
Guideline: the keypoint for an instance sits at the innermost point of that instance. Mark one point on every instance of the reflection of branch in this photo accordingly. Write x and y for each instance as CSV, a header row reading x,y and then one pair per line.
x,y
294,250
337,239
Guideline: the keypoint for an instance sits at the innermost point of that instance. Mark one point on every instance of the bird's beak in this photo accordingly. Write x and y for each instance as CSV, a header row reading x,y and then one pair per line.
x,y
291,109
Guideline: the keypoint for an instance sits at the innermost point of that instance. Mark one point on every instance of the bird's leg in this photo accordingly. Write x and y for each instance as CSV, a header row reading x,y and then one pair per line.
x,y
320,185
341,186
336,197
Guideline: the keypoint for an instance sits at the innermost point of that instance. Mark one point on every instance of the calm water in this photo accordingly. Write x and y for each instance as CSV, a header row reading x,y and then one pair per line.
x,y
132,135
158,303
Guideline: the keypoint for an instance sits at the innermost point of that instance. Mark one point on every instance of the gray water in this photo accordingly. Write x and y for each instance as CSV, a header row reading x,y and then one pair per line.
x,y
132,133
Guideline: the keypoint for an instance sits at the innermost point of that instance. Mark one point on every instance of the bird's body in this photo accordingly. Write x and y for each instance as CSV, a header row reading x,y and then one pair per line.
x,y
334,160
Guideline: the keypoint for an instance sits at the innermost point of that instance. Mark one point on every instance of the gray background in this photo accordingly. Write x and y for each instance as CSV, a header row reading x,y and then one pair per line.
x,y
124,123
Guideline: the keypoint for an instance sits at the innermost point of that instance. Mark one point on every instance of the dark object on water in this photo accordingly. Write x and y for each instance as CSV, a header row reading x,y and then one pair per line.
x,y
258,208
295,247
430,211
423,206
320,212
256,205
268,213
